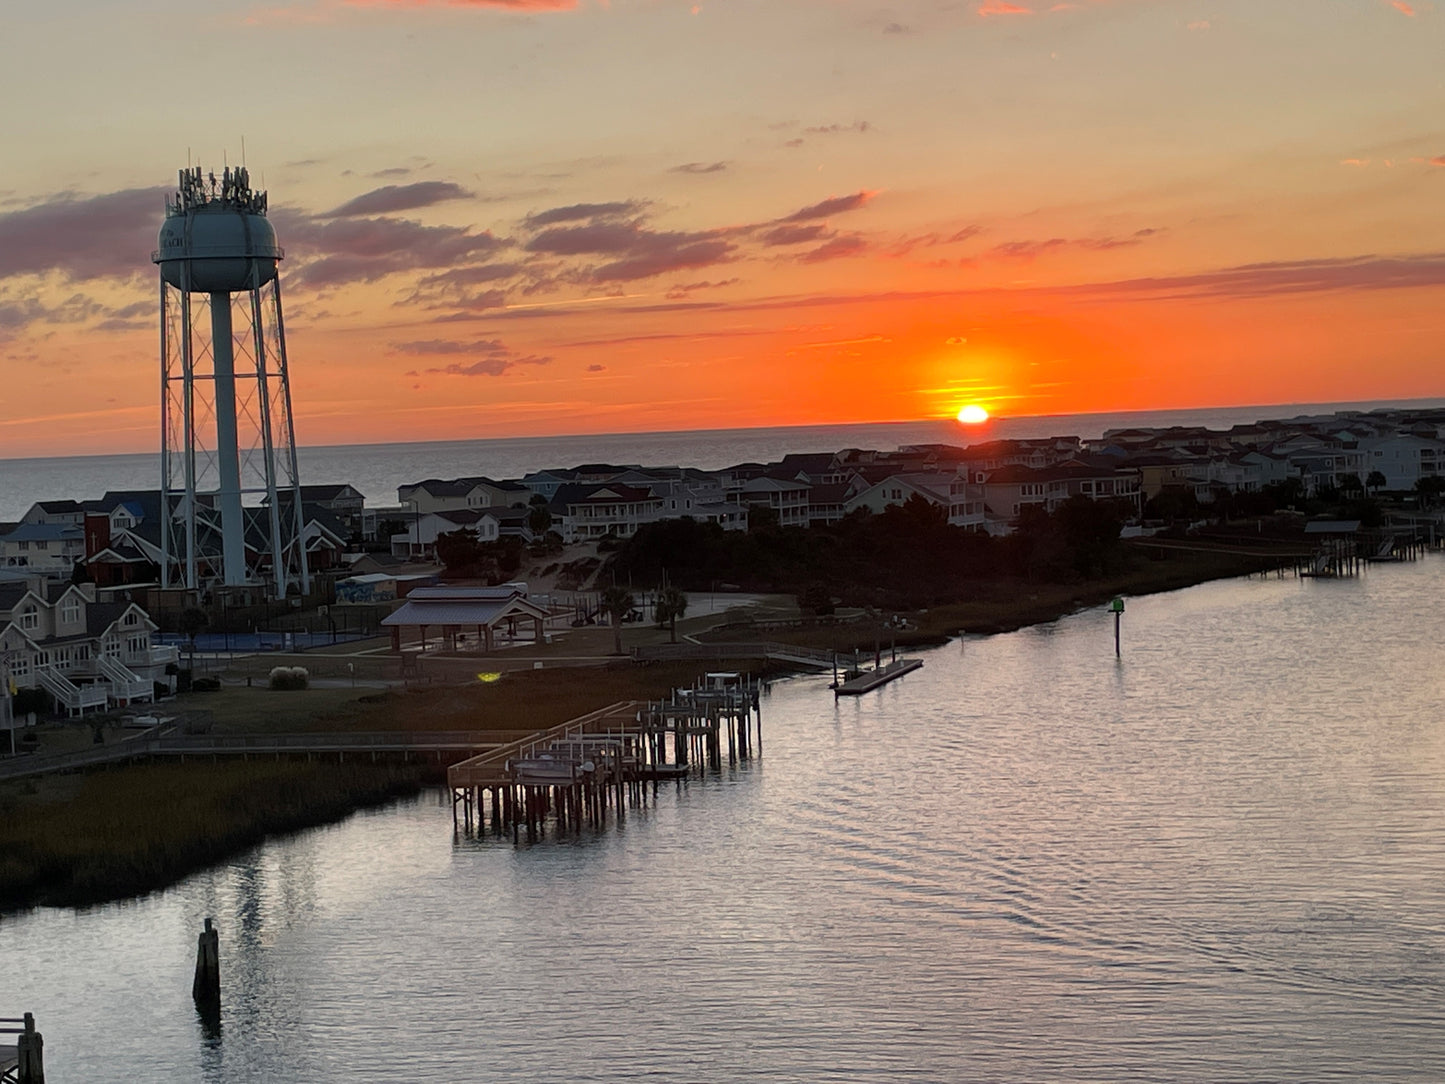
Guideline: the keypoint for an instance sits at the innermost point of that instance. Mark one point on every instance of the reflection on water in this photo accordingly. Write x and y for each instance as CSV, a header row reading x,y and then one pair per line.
x,y
1217,858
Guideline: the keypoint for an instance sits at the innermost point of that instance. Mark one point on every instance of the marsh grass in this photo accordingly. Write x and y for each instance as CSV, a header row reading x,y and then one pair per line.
x,y
86,839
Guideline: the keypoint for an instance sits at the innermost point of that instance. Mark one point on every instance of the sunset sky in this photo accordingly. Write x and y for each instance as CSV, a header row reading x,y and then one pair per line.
x,y
569,216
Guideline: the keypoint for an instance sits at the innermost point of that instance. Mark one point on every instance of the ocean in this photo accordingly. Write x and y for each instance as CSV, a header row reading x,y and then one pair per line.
x,y
376,470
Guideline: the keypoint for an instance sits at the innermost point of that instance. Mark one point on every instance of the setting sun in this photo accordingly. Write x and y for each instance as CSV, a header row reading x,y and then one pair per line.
x,y
972,414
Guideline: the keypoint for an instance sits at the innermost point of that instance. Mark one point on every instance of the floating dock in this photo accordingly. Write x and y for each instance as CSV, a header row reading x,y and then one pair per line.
x,y
869,680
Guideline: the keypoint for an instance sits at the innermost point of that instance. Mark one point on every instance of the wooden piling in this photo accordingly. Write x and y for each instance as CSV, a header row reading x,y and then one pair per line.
x,y
30,1050
206,987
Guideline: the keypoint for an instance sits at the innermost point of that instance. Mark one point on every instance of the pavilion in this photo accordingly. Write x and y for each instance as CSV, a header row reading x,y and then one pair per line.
x,y
457,610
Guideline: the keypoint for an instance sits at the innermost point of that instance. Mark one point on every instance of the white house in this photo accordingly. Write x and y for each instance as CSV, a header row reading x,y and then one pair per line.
x,y
49,548
86,654
789,499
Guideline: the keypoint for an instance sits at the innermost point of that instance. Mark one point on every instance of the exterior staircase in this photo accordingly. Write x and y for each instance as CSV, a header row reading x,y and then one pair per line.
x,y
126,687
72,697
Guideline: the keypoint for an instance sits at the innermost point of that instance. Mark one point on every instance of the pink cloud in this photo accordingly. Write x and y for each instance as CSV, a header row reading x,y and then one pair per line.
x,y
1002,7
510,5
1403,8
1438,160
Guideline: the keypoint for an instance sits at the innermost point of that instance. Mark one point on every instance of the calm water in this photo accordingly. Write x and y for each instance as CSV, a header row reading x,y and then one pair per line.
x,y
378,469
1219,860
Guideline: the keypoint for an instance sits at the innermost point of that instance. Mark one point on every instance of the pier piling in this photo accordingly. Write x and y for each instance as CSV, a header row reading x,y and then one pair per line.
x,y
206,986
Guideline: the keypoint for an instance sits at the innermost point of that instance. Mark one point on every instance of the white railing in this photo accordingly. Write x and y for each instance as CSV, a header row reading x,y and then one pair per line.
x,y
125,686
72,697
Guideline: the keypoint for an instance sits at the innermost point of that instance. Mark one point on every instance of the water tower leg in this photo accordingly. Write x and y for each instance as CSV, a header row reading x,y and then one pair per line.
x,y
228,460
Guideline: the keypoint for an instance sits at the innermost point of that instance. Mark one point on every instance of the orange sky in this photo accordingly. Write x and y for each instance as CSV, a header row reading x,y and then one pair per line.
x,y
508,217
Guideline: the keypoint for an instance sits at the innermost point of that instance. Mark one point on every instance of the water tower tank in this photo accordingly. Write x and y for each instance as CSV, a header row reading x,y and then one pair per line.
x,y
215,237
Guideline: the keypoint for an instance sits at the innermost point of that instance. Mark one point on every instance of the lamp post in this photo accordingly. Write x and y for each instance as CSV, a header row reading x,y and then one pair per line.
x,y
1117,608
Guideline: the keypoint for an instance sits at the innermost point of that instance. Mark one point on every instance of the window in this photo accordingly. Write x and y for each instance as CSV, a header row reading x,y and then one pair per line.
x,y
30,619
70,611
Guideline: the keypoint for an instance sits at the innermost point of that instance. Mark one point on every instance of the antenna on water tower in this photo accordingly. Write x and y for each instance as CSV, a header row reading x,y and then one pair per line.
x,y
229,480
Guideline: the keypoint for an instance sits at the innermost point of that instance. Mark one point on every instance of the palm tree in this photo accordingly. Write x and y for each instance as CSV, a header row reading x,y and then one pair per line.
x,y
618,602
671,604
1376,481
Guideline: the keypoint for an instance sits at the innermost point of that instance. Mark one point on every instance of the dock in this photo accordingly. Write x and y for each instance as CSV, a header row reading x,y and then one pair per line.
x,y
600,764
869,680
22,1058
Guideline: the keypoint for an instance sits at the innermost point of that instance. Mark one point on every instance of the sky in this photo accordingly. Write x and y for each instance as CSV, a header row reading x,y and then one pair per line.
x,y
530,217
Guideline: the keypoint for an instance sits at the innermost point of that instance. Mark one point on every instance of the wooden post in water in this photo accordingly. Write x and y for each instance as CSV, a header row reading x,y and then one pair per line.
x,y
30,1049
206,987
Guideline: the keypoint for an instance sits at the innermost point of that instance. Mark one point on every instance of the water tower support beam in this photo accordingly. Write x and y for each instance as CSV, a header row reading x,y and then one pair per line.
x,y
228,495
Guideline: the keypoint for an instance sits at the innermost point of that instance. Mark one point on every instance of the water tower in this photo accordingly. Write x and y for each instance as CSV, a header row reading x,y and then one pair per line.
x,y
229,484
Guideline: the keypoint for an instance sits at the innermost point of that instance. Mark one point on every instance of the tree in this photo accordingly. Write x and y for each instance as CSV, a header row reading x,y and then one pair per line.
x,y
1429,487
539,519
671,604
1376,481
460,552
1350,485
618,602
193,621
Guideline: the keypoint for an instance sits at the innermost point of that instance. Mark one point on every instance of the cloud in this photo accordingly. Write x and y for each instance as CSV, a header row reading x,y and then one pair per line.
x,y
834,205
794,235
1438,160
836,249
1403,8
596,368
581,212
472,276
686,289
699,167
595,238
837,129
366,249
392,198
505,5
638,251
895,28
1197,25
83,237
493,356
1002,7
659,253
1029,250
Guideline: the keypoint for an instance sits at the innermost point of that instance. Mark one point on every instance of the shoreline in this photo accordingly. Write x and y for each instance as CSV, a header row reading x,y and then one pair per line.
x,y
160,823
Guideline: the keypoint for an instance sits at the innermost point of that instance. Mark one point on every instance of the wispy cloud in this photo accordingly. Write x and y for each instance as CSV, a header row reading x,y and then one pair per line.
x,y
391,198
834,205
83,237
699,167
1002,7
493,357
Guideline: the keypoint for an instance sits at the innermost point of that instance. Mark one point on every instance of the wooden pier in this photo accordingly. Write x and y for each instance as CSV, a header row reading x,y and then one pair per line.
x,y
21,1061
575,774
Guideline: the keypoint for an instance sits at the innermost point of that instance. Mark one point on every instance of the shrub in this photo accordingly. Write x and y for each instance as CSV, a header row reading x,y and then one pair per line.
x,y
36,700
289,678
206,685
